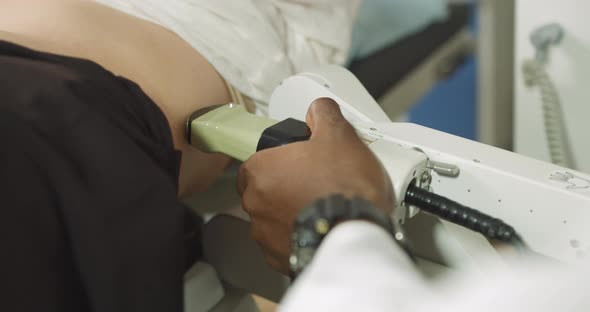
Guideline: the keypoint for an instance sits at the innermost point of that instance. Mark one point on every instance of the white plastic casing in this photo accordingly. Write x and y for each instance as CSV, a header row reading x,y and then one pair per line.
x,y
404,166
548,205
294,96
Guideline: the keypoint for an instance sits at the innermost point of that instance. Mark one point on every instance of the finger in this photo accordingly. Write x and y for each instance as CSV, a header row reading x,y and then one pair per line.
x,y
243,176
258,162
325,118
249,204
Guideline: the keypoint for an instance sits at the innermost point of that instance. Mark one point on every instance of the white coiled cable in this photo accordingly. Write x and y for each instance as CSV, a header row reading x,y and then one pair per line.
x,y
535,75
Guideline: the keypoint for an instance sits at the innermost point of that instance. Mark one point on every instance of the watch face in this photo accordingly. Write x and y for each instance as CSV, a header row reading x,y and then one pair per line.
x,y
307,238
315,222
303,246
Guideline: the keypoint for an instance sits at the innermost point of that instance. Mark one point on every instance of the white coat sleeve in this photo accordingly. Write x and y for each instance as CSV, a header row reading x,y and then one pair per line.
x,y
360,268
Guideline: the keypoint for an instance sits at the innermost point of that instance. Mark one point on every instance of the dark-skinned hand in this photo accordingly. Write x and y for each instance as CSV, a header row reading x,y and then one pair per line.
x,y
275,184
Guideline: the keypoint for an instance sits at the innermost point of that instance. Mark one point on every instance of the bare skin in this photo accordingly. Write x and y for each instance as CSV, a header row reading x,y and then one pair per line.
x,y
167,68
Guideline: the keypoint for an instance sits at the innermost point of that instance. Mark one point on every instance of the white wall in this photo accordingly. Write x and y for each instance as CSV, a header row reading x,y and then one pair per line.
x,y
570,70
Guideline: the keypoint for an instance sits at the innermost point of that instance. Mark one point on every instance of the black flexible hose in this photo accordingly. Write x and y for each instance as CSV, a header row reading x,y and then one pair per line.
x,y
467,217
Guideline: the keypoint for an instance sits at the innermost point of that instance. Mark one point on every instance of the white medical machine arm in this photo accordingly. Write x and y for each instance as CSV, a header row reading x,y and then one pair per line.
x,y
549,206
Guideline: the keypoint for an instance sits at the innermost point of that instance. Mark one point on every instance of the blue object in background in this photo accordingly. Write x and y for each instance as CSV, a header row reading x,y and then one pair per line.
x,y
451,106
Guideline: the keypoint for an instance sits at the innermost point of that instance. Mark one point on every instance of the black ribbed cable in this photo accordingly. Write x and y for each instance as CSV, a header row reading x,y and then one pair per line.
x,y
454,212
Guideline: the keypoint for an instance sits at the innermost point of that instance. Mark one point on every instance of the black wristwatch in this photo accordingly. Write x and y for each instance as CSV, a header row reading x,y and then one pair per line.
x,y
315,222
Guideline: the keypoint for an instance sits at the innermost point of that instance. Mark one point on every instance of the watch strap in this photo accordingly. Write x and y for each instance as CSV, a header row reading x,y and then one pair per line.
x,y
315,222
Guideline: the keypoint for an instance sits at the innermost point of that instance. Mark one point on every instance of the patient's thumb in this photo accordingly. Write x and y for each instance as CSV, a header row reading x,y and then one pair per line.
x,y
325,118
